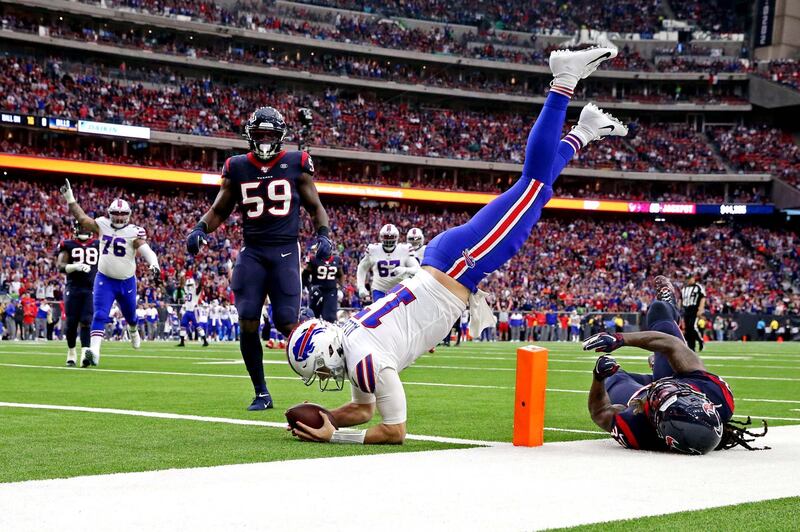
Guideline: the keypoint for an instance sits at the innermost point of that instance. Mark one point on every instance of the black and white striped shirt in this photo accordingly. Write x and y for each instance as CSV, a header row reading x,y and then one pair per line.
x,y
692,295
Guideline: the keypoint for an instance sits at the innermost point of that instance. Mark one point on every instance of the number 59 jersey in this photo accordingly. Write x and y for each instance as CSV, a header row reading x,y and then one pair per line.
x,y
396,329
267,195
117,253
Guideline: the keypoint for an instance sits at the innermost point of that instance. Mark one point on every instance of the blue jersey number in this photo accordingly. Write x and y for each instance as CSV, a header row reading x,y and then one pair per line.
x,y
117,244
386,267
371,317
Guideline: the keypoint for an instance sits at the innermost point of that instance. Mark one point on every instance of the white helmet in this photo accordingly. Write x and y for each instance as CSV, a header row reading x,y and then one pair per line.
x,y
315,350
415,238
120,213
389,236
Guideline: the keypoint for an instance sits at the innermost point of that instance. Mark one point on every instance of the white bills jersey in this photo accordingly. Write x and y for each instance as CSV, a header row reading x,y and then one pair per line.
x,y
225,314
382,263
214,312
117,254
189,296
234,315
202,313
398,328
419,253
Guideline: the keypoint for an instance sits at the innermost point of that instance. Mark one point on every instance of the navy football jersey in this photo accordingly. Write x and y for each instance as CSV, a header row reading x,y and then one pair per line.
x,y
324,272
267,195
87,252
632,428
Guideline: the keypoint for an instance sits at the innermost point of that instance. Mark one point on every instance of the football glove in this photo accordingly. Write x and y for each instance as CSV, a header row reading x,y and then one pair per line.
x,y
196,239
323,246
363,293
605,367
83,268
155,269
603,342
66,191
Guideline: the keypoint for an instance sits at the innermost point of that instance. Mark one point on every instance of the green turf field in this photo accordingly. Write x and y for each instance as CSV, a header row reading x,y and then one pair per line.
x,y
465,392
768,516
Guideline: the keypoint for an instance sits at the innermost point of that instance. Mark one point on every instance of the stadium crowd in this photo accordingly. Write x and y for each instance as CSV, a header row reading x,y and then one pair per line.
x,y
340,27
343,120
581,264
760,149
783,71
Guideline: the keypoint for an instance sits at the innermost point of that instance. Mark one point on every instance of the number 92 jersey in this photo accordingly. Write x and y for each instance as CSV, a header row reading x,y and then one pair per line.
x,y
267,195
88,253
117,253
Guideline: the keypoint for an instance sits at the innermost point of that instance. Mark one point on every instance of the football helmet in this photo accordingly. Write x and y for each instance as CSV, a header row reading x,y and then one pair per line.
x,y
415,238
315,351
389,236
80,232
120,213
683,417
265,131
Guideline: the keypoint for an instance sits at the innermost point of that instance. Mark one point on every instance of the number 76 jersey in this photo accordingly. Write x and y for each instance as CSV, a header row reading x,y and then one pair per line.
x,y
117,252
267,195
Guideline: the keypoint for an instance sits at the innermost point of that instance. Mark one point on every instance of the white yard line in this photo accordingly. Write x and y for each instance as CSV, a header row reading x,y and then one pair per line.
x,y
492,488
233,421
278,377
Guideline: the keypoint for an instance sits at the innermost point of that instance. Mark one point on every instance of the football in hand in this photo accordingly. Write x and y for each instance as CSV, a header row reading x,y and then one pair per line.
x,y
308,414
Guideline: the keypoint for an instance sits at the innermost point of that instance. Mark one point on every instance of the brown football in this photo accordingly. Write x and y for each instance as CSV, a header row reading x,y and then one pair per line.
x,y
308,414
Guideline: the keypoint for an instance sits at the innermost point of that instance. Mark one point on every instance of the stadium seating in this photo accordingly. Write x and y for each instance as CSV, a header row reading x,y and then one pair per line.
x,y
567,263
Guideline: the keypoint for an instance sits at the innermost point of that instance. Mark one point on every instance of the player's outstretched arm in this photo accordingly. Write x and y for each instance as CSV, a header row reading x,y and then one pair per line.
x,y
143,248
680,357
222,207
600,407
310,199
86,221
361,275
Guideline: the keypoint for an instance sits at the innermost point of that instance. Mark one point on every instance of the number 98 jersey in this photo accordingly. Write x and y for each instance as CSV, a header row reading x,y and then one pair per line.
x,y
267,195
117,254
87,252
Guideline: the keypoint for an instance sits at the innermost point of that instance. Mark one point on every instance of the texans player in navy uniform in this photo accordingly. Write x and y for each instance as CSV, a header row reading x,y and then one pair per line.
x,y
268,184
681,407
322,278
78,258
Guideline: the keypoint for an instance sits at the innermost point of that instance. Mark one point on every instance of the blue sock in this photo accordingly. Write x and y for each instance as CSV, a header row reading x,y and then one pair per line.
x,y
253,355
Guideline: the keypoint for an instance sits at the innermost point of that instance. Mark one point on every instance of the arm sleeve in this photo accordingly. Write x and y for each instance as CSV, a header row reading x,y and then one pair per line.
x,y
361,274
390,397
307,164
148,254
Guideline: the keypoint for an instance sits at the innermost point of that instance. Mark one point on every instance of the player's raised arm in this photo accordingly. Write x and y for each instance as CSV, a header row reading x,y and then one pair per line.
x,y
75,210
680,357
220,210
311,202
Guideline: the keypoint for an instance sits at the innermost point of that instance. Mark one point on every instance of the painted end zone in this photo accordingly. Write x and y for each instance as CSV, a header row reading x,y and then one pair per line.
x,y
496,488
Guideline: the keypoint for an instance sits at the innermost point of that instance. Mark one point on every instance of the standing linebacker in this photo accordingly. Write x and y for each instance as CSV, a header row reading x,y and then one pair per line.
x,y
268,184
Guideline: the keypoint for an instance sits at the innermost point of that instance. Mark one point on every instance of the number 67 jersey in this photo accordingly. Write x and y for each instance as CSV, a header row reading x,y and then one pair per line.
x,y
117,253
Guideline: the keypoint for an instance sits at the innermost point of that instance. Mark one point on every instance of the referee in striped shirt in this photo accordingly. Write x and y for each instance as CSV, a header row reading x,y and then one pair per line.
x,y
693,297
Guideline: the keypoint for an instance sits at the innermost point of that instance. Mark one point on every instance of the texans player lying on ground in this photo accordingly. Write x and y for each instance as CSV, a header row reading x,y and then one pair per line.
x,y
389,335
680,407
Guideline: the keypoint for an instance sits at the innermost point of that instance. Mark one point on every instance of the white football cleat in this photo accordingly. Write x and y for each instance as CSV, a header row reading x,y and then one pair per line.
x,y
136,340
597,124
579,64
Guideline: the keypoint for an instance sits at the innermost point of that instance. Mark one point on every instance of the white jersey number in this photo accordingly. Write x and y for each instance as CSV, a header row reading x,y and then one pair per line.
x,y
278,191
88,256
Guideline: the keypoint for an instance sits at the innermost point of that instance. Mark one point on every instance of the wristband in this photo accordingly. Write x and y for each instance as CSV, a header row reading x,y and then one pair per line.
x,y
323,231
348,436
202,225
